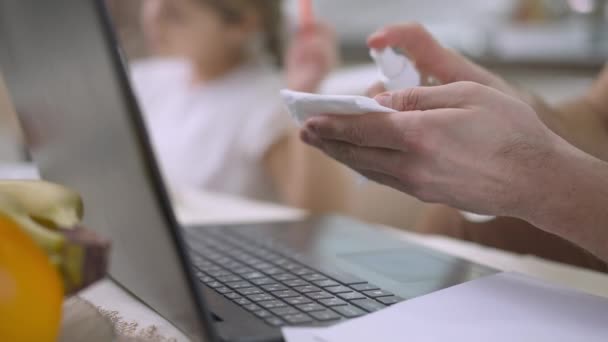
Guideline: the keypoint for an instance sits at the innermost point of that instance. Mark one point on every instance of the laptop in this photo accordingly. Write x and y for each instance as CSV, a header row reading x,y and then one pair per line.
x,y
69,83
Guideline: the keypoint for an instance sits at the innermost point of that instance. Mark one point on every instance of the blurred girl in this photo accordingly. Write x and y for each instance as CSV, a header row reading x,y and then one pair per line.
x,y
211,100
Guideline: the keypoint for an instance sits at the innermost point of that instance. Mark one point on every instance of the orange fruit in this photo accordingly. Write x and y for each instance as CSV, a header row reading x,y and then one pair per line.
x,y
31,289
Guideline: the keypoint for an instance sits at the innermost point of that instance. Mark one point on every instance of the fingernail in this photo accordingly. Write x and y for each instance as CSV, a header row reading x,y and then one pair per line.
x,y
384,99
304,136
308,137
311,126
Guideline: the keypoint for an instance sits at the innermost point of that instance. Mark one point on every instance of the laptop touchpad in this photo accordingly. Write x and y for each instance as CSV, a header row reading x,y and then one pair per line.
x,y
405,265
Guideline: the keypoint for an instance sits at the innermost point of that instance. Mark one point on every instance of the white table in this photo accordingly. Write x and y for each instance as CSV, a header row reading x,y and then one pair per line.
x,y
219,209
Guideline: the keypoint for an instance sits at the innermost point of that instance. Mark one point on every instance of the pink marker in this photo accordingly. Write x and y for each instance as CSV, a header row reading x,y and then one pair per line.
x,y
306,13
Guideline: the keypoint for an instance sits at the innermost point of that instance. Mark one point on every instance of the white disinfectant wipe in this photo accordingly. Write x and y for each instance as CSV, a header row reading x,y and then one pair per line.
x,y
396,71
303,106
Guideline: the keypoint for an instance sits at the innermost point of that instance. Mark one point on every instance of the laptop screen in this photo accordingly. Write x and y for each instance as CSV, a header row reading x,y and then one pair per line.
x,y
70,90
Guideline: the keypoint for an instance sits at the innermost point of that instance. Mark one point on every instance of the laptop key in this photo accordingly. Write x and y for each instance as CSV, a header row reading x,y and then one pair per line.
x,y
206,279
325,315
364,287
242,301
274,287
303,271
368,304
275,322
351,296
249,291
228,278
208,267
286,294
284,276
251,261
319,295
239,285
218,273
310,307
271,304
332,302
326,283
390,300
262,313
263,266
377,293
337,289
252,275
290,266
298,319
215,284
271,270
260,297
285,311
223,289
263,281
233,295
307,289
314,277
243,270
252,307
297,300
296,282
349,311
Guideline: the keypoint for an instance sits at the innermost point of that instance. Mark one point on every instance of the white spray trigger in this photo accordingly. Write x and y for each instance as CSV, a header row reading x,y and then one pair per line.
x,y
397,72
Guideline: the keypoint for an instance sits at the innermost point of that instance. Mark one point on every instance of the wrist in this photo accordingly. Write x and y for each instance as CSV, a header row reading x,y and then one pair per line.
x,y
572,201
305,84
542,193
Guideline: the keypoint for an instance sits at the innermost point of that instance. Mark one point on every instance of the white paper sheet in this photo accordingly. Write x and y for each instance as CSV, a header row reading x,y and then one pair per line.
x,y
303,335
502,308
303,106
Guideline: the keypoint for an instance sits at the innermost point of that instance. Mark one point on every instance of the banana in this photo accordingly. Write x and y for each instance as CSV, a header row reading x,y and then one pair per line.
x,y
51,215
52,205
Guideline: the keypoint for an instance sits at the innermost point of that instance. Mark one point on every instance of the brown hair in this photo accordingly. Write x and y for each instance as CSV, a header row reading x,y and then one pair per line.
x,y
271,17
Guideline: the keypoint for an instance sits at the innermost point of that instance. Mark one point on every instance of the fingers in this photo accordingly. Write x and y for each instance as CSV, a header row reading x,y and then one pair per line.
x,y
317,29
427,98
430,57
374,130
397,131
376,89
306,13
359,158
387,180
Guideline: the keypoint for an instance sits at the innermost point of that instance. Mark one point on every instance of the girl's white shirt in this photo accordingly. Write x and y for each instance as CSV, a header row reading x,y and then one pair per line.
x,y
213,136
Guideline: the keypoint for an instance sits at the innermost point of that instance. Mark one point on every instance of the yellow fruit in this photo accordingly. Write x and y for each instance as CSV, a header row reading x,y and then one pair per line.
x,y
31,290
50,204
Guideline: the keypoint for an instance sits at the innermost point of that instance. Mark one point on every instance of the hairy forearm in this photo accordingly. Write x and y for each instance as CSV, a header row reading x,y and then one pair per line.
x,y
582,122
573,201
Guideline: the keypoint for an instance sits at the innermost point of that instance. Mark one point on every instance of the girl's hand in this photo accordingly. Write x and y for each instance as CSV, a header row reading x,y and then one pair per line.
x,y
310,58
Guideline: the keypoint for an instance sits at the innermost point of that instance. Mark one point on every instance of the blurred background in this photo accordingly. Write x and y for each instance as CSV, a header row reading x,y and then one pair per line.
x,y
550,46
553,48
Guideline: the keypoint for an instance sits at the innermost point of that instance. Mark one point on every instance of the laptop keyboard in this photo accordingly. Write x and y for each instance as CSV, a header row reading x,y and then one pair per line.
x,y
268,281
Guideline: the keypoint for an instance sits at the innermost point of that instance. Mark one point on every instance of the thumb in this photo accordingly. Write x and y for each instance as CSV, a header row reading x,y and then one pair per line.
x,y
430,57
427,98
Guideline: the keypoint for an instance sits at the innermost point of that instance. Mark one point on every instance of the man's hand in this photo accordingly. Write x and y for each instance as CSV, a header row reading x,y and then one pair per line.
x,y
433,60
583,122
311,57
461,144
